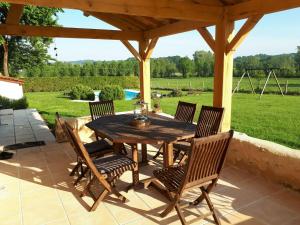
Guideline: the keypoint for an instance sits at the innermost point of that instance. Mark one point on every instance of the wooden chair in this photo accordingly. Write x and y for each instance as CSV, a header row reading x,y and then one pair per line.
x,y
185,112
202,170
95,149
105,171
101,108
209,123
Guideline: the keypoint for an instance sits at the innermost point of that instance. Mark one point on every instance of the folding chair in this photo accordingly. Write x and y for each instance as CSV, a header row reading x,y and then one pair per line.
x,y
185,112
202,170
209,123
105,171
95,149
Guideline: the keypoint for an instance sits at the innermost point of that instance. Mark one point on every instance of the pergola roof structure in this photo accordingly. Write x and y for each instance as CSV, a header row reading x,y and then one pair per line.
x,y
147,20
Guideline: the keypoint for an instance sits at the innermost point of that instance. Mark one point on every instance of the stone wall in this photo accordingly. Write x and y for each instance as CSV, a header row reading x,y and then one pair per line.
x,y
273,161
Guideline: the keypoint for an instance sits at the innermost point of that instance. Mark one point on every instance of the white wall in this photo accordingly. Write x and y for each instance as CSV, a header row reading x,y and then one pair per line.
x,y
11,90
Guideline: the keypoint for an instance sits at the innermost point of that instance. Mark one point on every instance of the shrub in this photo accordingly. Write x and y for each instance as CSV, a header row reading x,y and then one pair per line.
x,y
81,92
13,104
112,92
175,93
52,84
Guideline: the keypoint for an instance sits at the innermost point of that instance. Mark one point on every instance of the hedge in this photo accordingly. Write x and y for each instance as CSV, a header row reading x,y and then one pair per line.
x,y
52,84
81,92
13,104
112,92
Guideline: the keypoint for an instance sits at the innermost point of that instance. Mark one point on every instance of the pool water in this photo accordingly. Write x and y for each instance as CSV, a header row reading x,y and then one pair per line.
x,y
131,94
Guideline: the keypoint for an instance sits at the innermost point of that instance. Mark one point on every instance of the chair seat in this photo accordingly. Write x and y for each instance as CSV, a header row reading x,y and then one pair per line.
x,y
171,177
100,146
113,165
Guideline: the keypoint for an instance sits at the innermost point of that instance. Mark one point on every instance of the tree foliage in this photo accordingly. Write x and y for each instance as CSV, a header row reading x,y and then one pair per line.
x,y
24,52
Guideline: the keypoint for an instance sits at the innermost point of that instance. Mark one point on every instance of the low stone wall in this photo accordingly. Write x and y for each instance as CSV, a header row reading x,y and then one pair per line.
x,y
273,161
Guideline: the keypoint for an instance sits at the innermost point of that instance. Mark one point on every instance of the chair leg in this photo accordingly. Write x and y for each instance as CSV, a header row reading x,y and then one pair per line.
x,y
159,152
210,205
119,195
169,208
87,187
75,169
81,176
100,198
180,214
176,155
182,160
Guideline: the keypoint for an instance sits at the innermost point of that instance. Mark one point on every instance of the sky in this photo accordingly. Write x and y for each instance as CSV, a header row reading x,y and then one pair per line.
x,y
274,34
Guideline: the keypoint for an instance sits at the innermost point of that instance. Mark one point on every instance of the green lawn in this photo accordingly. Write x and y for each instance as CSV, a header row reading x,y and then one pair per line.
x,y
206,83
273,118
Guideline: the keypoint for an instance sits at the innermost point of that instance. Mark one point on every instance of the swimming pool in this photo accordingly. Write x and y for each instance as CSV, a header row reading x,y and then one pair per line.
x,y
131,94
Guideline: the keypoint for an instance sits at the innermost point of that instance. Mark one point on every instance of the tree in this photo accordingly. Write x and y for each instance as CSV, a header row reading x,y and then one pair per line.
x,y
297,59
18,53
185,66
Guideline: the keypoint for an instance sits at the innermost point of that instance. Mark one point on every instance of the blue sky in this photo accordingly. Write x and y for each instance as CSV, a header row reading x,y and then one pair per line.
x,y
274,34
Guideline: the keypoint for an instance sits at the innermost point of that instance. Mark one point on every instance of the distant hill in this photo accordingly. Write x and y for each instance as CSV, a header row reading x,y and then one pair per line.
x,y
81,62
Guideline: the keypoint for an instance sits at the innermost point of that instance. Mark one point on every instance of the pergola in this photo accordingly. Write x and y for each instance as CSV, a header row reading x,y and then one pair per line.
x,y
145,21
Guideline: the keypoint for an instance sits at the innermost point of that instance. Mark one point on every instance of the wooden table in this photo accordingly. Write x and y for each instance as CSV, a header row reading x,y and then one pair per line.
x,y
162,130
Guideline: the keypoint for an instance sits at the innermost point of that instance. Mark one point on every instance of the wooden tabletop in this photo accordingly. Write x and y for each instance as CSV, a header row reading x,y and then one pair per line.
x,y
162,129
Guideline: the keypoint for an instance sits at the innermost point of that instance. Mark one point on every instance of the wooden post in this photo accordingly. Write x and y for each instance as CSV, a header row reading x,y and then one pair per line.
x,y
145,73
223,74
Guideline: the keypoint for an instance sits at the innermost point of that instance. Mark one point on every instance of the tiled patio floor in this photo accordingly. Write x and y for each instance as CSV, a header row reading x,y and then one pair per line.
x,y
35,189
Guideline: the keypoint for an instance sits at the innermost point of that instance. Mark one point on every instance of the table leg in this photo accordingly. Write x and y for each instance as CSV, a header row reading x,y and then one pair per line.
x,y
144,153
168,154
135,172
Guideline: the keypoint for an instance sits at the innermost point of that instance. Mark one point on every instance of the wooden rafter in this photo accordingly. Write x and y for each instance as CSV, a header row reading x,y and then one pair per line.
x,y
14,14
253,7
186,10
63,32
207,37
132,50
174,28
112,20
243,33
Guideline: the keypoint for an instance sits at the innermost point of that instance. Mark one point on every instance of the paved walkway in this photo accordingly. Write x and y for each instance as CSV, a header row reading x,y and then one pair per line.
x,y
21,126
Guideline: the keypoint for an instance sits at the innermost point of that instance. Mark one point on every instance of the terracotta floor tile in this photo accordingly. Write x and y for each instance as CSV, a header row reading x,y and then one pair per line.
x,y
269,211
42,211
99,217
11,219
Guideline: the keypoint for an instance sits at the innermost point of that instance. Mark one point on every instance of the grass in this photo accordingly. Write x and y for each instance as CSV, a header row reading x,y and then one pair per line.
x,y
273,118
206,83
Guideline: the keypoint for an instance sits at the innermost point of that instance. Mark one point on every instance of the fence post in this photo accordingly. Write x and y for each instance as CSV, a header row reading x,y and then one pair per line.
x,y
286,86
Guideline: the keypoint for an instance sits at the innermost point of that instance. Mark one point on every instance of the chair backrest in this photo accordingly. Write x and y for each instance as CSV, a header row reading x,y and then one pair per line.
x,y
209,121
102,108
206,159
185,111
85,155
63,125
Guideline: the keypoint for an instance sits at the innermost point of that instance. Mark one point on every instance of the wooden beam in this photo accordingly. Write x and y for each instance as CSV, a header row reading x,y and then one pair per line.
x,y
150,48
112,20
254,7
144,66
14,14
243,33
186,10
223,74
132,50
207,37
63,32
174,28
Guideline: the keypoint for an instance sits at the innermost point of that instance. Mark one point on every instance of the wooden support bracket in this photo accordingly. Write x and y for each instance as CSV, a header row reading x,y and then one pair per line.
x,y
132,50
207,37
243,33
